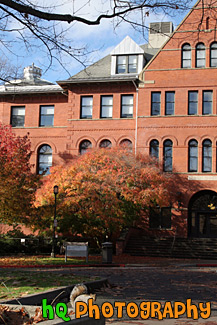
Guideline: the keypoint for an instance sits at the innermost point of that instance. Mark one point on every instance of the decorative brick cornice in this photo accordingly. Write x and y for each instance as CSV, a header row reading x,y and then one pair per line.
x,y
178,127
48,137
104,130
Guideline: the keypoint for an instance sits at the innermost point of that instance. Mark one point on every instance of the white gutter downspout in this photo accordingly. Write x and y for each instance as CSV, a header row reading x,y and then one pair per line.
x,y
136,128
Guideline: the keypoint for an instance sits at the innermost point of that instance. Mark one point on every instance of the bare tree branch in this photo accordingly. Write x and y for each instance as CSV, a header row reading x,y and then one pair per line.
x,y
120,8
34,24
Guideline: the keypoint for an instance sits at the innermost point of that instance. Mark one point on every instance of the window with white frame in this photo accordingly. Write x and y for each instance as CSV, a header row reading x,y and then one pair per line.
x,y
86,107
46,115
44,159
186,56
213,54
106,106
127,64
17,116
127,106
200,55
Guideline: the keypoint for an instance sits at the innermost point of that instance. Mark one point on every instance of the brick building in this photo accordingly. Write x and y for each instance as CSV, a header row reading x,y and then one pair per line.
x,y
158,98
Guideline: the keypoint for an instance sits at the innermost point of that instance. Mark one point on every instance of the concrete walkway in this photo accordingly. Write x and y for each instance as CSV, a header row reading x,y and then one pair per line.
x,y
156,280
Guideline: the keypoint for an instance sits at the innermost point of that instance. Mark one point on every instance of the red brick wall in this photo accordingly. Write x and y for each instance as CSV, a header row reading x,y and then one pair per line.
x,y
53,136
97,129
163,74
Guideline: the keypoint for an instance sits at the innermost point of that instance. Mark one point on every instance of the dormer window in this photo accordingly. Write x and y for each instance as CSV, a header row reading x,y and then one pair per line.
x,y
127,64
127,58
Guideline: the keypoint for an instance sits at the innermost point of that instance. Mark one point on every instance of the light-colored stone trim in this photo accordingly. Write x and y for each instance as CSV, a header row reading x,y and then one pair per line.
x,y
202,178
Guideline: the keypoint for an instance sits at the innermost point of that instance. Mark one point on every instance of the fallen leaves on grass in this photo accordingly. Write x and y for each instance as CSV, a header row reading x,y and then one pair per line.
x,y
20,283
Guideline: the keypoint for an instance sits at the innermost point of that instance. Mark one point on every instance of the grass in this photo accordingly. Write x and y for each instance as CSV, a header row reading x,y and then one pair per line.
x,y
45,260
15,284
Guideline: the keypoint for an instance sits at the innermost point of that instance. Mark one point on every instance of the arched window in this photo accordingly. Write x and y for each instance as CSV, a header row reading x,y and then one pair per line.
x,y
213,54
126,144
202,219
192,156
154,149
168,155
207,156
186,56
200,55
84,146
44,159
105,144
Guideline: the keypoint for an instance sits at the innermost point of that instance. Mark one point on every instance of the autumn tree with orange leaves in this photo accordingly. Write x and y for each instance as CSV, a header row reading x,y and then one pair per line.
x,y
102,192
17,183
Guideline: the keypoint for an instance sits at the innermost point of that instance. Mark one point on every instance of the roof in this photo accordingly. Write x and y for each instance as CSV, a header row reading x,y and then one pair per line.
x,y
127,45
100,71
30,83
8,89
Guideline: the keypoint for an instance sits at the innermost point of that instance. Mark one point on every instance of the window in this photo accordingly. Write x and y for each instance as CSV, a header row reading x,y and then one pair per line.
x,y
192,156
126,144
86,106
84,146
44,159
170,103
168,156
18,116
207,102
46,115
200,55
127,106
207,156
166,217
106,106
186,56
160,218
154,149
155,103
126,64
213,54
105,144
132,63
192,102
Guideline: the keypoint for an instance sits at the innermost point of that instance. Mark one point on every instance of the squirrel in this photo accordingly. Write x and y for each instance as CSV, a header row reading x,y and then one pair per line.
x,y
80,293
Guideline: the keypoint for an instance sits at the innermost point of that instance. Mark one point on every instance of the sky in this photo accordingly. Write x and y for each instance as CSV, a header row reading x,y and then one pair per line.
x,y
99,40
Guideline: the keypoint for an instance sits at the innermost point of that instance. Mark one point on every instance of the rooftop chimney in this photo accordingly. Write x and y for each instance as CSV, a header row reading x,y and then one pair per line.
x,y
31,72
159,33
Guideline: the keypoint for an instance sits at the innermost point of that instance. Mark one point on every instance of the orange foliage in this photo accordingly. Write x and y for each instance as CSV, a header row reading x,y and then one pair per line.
x,y
18,184
102,192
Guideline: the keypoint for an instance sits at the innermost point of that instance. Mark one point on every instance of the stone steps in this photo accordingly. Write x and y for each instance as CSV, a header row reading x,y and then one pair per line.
x,y
205,248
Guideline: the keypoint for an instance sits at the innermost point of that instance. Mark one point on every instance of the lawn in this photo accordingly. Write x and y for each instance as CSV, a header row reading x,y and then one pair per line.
x,y
15,284
46,260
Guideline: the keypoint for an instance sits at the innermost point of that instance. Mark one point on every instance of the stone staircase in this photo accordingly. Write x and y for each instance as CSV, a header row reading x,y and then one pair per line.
x,y
204,248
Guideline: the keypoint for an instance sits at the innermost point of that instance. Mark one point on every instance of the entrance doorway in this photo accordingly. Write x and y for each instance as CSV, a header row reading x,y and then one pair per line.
x,y
202,219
